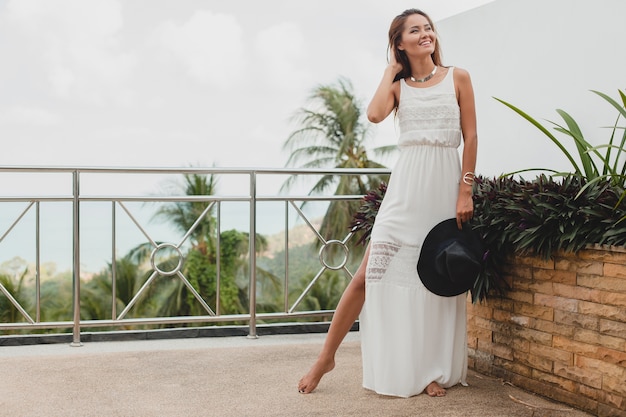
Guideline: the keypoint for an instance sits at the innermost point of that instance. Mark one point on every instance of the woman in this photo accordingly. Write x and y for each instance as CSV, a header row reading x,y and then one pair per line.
x,y
412,340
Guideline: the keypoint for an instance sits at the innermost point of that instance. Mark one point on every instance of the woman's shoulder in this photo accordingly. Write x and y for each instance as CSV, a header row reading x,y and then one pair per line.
x,y
460,74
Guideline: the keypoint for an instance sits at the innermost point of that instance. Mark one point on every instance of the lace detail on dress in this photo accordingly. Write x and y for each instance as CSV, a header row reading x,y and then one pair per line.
x,y
381,254
439,116
429,116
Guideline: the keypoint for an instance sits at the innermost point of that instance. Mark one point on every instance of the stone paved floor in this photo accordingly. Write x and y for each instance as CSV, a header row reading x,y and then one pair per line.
x,y
233,376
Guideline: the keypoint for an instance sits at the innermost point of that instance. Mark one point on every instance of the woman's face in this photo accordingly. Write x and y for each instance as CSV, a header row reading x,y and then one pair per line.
x,y
418,36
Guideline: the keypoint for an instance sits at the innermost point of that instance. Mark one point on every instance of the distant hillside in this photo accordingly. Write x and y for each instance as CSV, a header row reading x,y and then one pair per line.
x,y
299,235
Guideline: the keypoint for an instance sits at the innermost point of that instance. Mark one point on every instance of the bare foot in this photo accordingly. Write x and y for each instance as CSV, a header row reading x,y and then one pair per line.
x,y
309,382
435,390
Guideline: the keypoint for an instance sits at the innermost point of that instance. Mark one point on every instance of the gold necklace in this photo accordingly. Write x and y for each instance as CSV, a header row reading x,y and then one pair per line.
x,y
426,78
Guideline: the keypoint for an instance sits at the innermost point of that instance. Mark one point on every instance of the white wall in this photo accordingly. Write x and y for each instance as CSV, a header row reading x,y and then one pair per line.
x,y
539,55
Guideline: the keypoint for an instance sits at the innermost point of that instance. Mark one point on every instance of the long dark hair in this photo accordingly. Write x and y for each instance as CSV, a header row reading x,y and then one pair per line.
x,y
395,37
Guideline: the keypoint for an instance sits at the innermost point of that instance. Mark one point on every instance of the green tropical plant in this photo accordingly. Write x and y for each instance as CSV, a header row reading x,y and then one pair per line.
x,y
15,287
184,214
201,271
57,298
332,133
96,294
235,258
542,217
324,295
592,165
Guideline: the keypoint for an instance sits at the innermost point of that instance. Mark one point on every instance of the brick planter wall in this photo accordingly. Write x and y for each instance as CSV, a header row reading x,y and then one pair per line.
x,y
560,331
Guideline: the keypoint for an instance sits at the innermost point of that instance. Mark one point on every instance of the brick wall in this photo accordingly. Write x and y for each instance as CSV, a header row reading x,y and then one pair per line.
x,y
560,331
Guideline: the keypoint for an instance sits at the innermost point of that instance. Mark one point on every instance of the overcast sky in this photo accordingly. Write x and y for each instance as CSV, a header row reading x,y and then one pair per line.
x,y
169,83
145,83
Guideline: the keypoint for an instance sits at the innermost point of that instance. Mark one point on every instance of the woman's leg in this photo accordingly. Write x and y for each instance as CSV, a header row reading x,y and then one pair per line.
x,y
347,312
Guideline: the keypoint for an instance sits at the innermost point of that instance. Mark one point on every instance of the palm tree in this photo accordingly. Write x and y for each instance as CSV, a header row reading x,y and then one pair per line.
x,y
165,296
201,260
333,134
96,294
185,213
57,298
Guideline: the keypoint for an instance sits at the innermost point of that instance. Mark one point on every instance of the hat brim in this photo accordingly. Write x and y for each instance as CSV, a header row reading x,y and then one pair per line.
x,y
469,250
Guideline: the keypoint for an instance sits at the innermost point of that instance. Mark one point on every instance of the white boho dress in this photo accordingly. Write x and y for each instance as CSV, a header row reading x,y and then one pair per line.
x,y
411,337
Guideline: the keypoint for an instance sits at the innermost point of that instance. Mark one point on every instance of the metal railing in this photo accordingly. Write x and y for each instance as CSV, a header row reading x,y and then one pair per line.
x,y
77,198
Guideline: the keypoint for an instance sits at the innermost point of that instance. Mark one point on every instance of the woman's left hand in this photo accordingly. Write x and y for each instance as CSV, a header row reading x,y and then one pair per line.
x,y
464,209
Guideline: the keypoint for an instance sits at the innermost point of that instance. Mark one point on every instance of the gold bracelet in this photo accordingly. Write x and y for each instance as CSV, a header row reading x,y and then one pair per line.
x,y
468,178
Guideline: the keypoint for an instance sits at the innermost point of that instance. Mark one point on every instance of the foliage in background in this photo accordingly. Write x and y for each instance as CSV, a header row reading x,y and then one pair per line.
x,y
15,287
184,214
95,296
363,219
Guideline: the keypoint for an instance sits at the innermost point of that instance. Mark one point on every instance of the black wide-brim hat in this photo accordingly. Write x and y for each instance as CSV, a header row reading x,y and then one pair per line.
x,y
450,259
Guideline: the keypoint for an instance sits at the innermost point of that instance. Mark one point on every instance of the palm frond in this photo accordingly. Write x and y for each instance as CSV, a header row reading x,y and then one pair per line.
x,y
332,133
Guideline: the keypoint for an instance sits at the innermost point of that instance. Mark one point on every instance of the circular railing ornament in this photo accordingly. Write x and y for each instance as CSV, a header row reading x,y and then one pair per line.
x,y
161,247
322,254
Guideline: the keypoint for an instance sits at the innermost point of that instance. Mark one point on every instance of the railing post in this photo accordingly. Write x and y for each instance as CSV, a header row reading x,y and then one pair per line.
x,y
113,261
38,262
252,245
76,259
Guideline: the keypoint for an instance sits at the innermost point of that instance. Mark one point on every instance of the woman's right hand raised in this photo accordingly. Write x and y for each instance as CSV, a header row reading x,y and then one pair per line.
x,y
393,62
385,97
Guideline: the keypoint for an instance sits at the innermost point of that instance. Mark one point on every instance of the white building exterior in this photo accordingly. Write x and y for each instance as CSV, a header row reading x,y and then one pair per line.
x,y
538,55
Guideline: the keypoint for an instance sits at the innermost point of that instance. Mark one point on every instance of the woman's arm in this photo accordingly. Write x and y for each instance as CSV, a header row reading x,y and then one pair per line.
x,y
465,97
386,96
